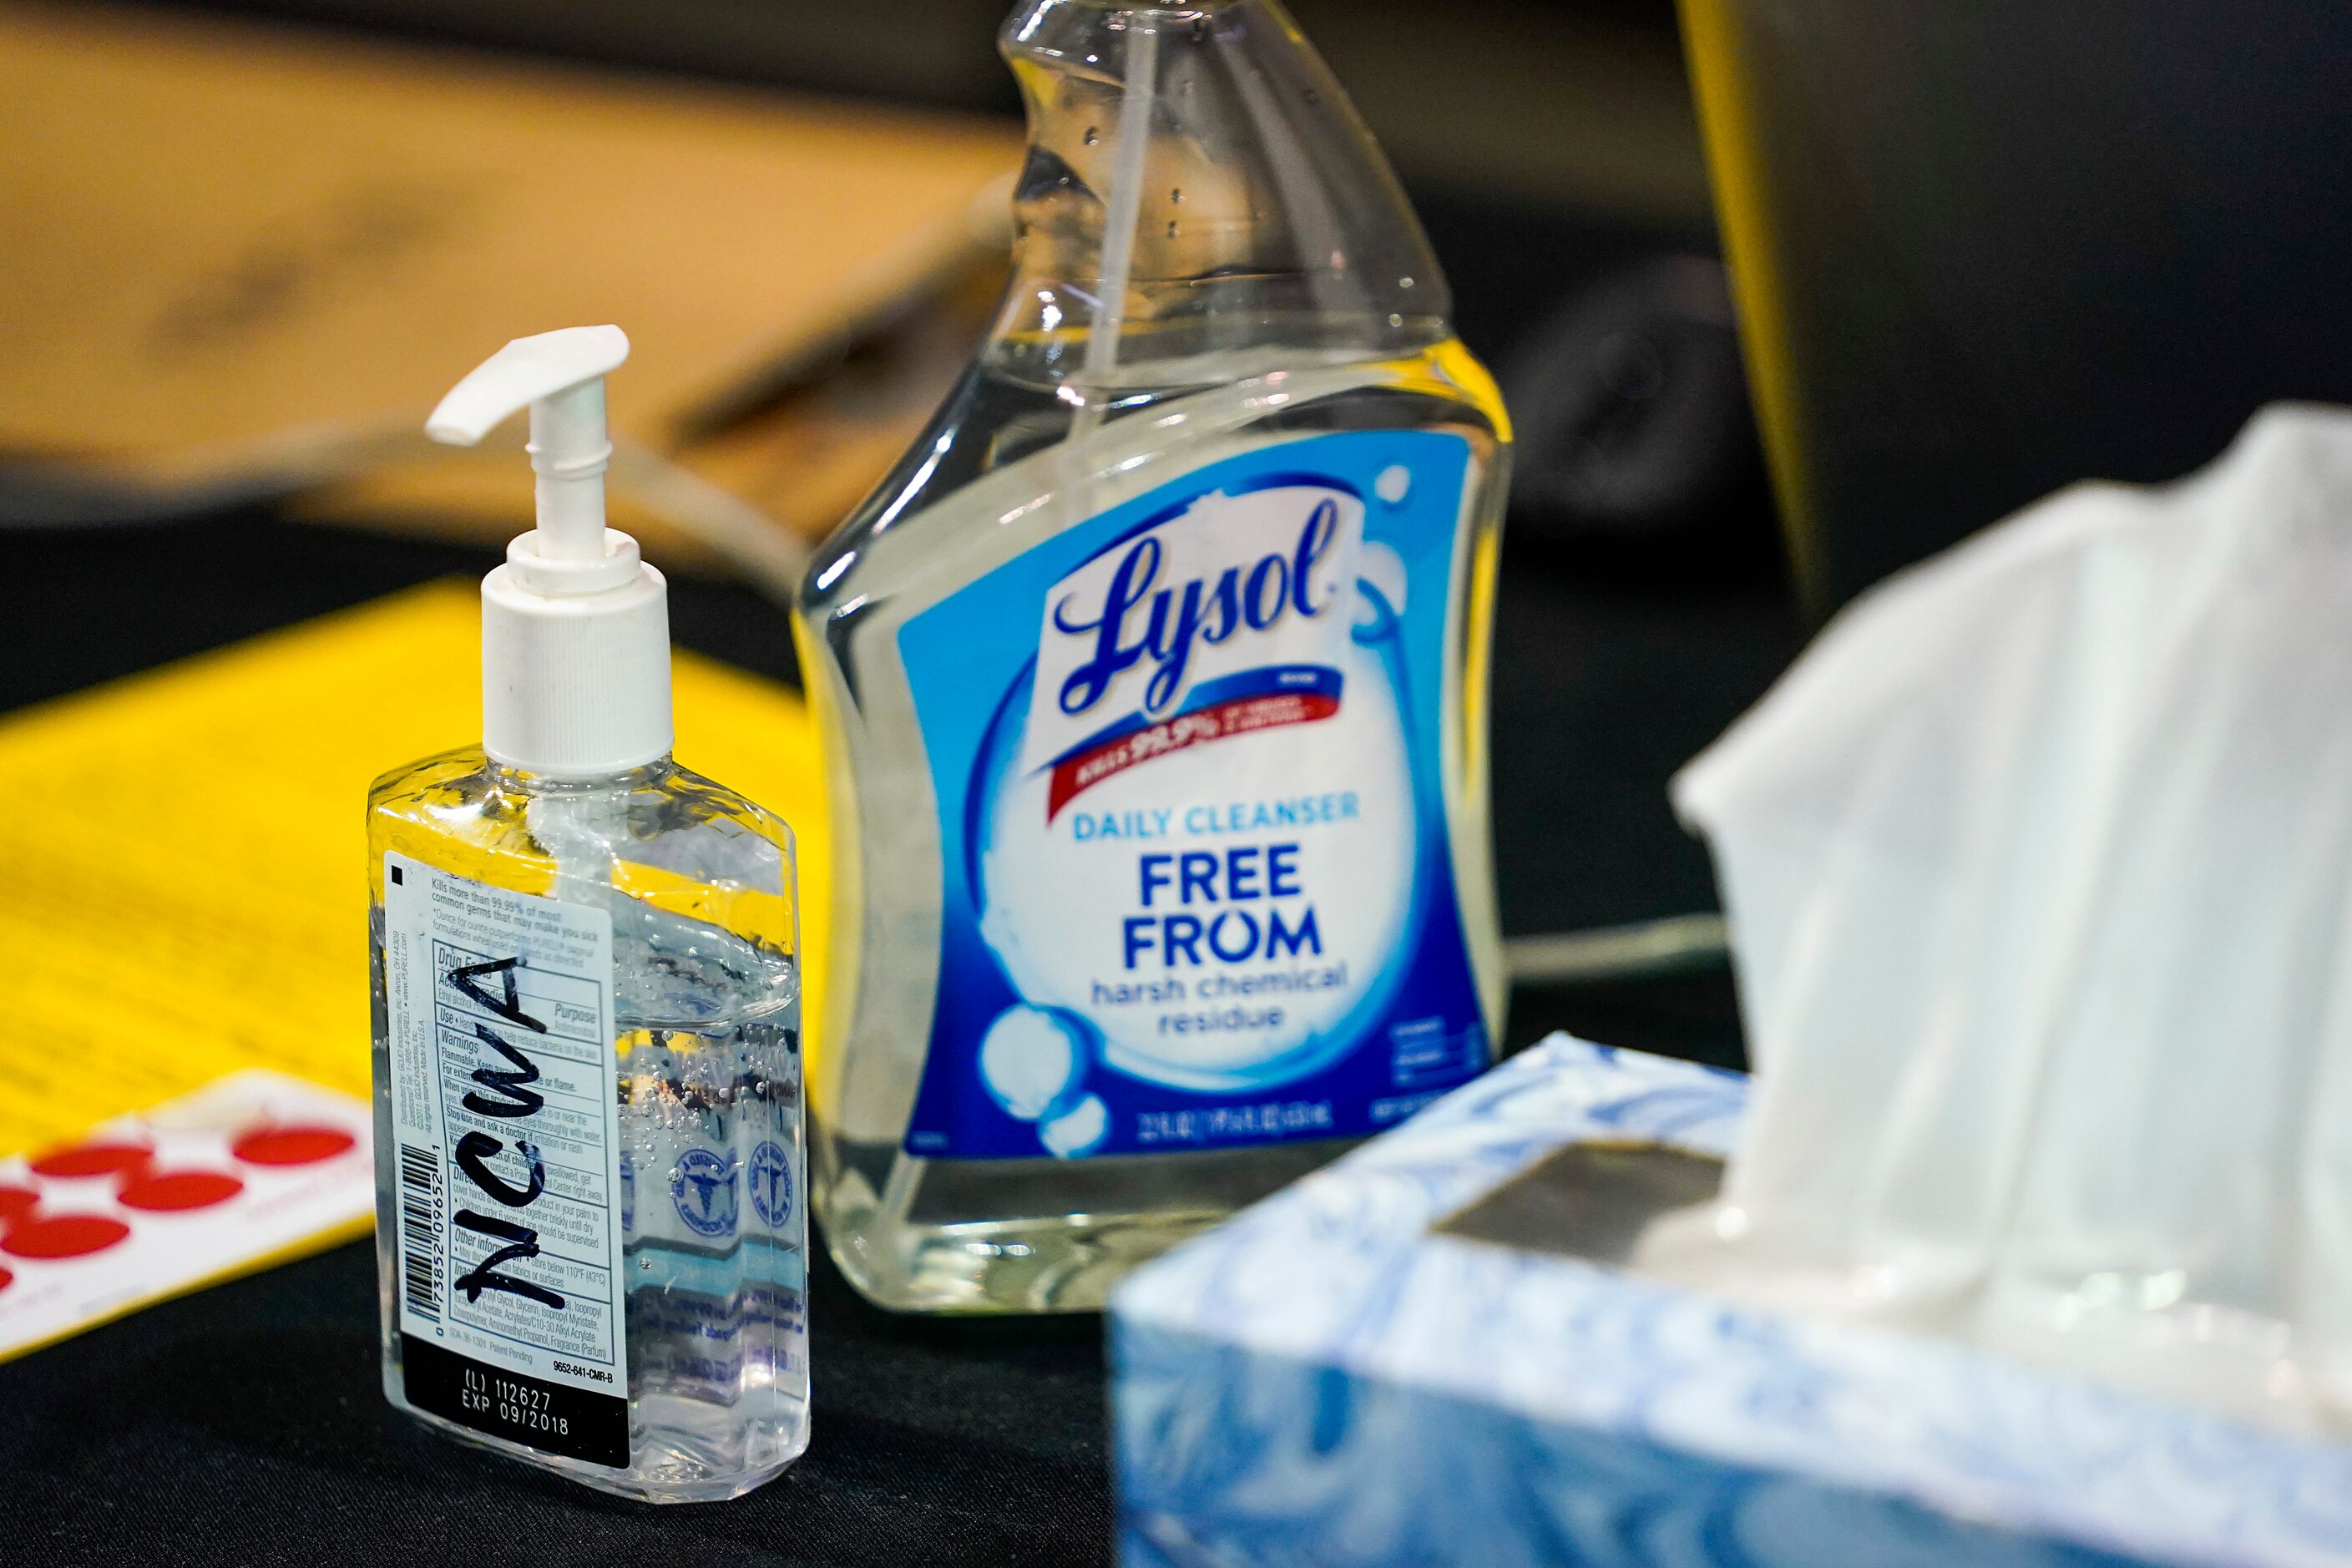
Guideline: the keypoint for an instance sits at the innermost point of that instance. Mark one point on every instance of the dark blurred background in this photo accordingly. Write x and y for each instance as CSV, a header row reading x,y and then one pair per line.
x,y
1575,106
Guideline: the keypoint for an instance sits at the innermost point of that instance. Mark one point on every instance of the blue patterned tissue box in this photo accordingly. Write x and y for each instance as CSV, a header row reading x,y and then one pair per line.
x,y
1322,1381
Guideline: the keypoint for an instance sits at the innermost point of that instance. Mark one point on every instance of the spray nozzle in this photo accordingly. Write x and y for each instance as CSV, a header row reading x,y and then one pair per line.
x,y
560,377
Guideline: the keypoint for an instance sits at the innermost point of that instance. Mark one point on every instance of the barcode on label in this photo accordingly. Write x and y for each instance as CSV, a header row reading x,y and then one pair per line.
x,y
420,1209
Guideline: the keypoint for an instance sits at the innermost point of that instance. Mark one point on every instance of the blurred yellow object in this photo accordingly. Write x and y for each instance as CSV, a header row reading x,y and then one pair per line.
x,y
182,890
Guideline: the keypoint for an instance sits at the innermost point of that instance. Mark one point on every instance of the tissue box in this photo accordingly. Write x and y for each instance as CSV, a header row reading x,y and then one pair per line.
x,y
1331,1379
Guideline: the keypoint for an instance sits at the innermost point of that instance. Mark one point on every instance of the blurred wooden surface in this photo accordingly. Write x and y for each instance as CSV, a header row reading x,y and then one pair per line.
x,y
218,232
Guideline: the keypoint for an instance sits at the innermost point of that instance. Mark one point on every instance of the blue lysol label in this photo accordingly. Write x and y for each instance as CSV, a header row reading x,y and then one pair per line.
x,y
1198,890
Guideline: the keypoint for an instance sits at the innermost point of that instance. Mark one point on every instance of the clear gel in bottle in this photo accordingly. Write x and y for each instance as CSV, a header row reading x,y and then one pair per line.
x,y
591,1225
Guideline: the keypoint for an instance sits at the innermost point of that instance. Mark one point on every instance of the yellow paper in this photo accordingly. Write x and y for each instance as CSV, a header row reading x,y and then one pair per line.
x,y
182,878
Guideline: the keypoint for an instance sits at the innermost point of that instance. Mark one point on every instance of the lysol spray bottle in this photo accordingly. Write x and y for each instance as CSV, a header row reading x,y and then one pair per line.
x,y
1154,686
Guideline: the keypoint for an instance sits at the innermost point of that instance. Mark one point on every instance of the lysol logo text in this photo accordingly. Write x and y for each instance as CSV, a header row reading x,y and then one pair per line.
x,y
1233,584
1177,621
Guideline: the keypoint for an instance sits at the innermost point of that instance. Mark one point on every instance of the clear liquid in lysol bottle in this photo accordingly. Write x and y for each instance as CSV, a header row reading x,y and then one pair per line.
x,y
1154,689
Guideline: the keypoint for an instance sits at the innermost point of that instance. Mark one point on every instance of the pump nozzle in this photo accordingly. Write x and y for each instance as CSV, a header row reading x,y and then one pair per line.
x,y
560,376
575,626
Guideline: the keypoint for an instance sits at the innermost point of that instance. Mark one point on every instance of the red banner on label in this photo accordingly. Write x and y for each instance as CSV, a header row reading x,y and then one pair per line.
x,y
1238,716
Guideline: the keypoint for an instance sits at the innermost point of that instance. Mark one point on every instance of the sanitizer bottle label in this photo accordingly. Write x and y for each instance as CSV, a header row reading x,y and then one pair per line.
x,y
1199,890
510,1162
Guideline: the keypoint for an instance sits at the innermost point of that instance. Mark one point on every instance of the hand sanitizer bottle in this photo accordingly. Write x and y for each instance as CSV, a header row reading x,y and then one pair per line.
x,y
590,1191
1154,689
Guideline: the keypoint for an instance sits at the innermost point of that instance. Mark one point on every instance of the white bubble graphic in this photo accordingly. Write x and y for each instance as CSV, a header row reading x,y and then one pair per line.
x,y
1077,1129
1029,1059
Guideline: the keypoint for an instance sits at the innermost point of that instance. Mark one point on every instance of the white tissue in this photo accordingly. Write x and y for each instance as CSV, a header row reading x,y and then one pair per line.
x,y
2037,867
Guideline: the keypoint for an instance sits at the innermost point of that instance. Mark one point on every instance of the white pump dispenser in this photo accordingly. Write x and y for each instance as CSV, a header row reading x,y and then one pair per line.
x,y
575,626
